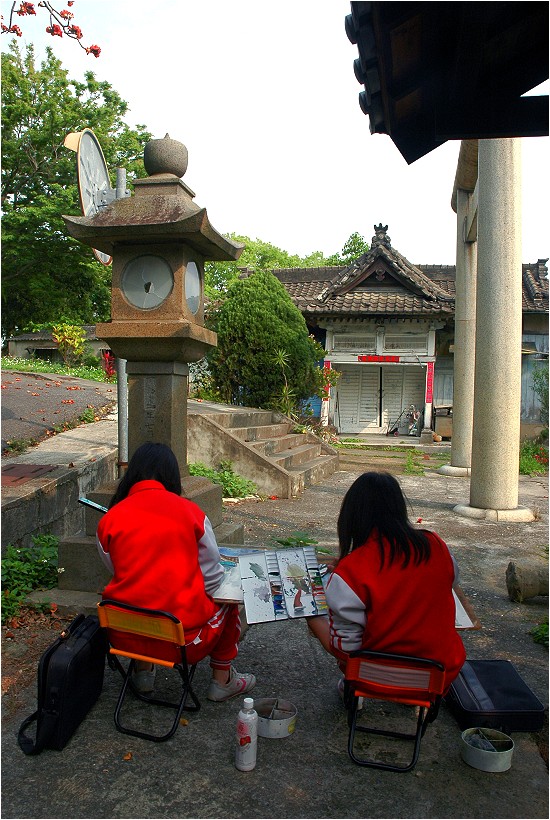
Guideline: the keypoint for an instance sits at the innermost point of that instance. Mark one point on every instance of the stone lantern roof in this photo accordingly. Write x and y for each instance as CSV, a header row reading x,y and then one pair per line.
x,y
162,210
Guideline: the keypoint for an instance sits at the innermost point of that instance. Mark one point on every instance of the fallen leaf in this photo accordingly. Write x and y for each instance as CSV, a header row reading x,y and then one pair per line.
x,y
184,722
128,756
419,521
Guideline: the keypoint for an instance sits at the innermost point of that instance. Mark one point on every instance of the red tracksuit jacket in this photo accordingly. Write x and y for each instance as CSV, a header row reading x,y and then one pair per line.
x,y
163,554
409,611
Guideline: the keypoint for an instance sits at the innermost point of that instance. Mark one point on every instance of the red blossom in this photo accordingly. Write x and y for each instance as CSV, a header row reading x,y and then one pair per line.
x,y
67,15
76,31
54,30
16,30
70,3
95,50
26,8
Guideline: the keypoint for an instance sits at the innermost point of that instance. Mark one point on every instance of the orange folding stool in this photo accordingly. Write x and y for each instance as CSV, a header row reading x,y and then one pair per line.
x,y
154,636
393,678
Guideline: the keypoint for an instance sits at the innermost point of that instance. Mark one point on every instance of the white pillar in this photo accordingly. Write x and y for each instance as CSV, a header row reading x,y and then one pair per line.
x,y
497,384
464,343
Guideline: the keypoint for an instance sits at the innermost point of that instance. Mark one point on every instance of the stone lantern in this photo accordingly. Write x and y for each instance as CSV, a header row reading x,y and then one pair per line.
x,y
159,240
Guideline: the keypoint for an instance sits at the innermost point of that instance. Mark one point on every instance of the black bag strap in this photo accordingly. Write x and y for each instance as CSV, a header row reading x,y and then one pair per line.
x,y
47,727
476,688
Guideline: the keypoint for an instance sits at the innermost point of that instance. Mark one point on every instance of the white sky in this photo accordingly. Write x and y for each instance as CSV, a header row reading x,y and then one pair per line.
x,y
265,98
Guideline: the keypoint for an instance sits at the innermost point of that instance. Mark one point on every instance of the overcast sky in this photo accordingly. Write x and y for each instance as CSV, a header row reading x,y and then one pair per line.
x,y
265,99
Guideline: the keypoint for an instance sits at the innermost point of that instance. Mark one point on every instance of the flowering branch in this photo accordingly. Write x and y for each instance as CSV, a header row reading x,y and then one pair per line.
x,y
60,23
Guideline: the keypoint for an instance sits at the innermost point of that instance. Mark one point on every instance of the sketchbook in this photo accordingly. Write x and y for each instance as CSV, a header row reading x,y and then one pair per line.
x,y
465,617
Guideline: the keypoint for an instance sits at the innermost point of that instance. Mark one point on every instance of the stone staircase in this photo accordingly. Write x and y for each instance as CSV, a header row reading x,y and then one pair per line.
x,y
260,445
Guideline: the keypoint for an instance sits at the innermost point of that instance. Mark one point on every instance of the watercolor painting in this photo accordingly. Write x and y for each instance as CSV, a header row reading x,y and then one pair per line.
x,y
258,601
297,588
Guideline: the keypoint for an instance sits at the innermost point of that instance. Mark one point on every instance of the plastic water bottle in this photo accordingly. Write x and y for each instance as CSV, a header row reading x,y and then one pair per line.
x,y
247,737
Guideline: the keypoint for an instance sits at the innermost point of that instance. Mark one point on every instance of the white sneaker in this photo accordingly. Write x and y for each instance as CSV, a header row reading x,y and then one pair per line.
x,y
239,683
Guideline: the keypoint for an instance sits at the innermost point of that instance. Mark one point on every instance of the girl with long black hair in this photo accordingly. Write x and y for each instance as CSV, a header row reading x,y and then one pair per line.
x,y
391,588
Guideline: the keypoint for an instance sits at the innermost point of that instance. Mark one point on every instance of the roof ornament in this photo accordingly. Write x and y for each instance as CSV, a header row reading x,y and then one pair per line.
x,y
380,236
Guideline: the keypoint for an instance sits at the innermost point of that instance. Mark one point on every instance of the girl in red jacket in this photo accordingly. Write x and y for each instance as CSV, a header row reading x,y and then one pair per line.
x,y
391,589
163,554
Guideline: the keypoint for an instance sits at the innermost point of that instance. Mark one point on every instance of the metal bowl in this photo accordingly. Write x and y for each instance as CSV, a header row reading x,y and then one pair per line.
x,y
276,717
487,749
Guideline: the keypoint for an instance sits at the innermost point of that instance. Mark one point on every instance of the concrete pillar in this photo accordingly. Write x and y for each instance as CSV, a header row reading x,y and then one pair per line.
x,y
497,384
464,344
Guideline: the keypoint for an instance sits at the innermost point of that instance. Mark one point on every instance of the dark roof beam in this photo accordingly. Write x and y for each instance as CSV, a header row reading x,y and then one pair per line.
x,y
491,118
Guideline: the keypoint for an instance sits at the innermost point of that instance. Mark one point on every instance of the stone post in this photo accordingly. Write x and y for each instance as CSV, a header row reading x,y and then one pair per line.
x,y
464,345
497,384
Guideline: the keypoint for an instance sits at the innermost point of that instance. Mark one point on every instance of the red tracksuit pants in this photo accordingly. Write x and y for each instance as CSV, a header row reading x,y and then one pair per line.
x,y
219,638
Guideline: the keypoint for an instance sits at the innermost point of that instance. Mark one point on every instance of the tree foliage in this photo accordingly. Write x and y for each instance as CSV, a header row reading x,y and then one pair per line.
x,y
261,255
47,276
264,352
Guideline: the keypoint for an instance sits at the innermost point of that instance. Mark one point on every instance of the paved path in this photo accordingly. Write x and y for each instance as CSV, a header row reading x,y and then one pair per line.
x,y
104,774
34,404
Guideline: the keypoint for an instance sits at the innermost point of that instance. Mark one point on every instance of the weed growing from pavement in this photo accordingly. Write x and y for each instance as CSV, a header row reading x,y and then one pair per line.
x,y
540,633
233,485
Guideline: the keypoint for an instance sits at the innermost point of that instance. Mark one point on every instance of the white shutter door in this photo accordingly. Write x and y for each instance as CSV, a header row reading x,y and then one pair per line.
x,y
347,411
414,386
392,394
369,398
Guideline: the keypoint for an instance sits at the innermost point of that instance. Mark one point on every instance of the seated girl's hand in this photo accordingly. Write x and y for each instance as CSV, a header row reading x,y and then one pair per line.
x,y
330,561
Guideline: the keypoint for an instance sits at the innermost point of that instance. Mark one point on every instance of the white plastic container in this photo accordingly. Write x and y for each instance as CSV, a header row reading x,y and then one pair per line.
x,y
246,741
496,757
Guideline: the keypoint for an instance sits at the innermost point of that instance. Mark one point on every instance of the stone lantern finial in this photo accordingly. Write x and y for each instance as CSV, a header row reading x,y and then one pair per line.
x,y
165,156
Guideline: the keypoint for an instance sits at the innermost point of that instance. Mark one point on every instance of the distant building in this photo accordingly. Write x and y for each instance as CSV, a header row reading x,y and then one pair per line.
x,y
388,327
40,345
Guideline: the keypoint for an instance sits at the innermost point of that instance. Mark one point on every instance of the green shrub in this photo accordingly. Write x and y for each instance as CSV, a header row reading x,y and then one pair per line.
x,y
233,485
533,458
25,569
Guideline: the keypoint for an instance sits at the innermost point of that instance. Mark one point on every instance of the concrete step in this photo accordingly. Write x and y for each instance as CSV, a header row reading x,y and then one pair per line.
x,y
260,433
256,418
297,456
314,471
276,445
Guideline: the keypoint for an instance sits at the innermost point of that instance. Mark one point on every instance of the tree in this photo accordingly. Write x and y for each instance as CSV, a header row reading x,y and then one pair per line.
x,y
264,354
48,277
354,247
261,255
61,22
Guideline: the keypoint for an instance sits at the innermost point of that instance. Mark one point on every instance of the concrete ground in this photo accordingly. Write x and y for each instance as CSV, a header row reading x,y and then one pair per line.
x,y
104,774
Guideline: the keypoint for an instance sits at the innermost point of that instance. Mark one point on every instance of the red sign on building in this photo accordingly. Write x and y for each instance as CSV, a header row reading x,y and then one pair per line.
x,y
378,359
430,383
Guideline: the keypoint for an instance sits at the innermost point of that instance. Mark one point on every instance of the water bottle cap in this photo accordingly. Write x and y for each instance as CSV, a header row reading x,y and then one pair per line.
x,y
249,703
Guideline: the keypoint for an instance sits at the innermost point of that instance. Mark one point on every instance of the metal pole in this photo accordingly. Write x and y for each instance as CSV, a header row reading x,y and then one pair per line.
x,y
122,383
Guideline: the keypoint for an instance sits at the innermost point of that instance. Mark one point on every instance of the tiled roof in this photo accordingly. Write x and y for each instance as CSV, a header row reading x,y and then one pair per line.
x,y
382,281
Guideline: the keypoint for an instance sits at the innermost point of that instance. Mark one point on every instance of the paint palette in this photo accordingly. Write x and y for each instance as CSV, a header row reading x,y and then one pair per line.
x,y
281,584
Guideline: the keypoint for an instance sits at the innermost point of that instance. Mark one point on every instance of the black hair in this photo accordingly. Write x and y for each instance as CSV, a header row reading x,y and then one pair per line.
x,y
375,503
150,461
